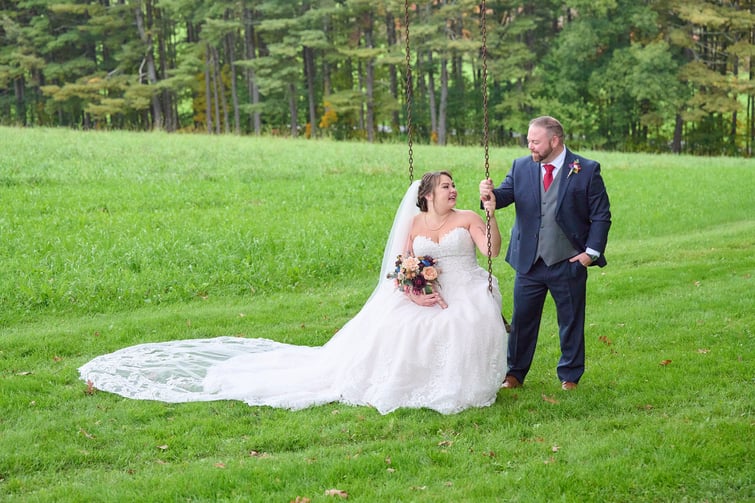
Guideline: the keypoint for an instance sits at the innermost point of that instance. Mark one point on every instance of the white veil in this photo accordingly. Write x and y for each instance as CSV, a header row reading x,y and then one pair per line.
x,y
402,224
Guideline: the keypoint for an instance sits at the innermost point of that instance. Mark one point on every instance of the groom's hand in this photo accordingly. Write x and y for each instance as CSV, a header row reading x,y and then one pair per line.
x,y
583,258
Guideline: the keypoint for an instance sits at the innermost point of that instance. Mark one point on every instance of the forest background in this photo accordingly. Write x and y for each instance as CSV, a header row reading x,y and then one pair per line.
x,y
629,75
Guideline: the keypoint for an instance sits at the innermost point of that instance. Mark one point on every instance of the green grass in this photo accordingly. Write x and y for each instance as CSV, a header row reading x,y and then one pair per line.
x,y
112,239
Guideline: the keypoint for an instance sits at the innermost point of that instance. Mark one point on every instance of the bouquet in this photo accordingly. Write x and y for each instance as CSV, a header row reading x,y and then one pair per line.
x,y
417,273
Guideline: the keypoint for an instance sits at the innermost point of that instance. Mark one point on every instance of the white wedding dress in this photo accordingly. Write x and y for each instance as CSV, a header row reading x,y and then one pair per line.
x,y
392,354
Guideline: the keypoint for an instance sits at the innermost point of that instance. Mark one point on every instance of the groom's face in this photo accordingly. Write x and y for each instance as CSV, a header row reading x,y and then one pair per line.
x,y
541,144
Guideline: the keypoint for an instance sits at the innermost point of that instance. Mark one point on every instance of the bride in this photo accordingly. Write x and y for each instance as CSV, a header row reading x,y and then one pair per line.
x,y
442,350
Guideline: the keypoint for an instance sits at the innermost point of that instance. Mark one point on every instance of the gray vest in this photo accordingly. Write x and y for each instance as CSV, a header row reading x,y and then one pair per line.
x,y
552,244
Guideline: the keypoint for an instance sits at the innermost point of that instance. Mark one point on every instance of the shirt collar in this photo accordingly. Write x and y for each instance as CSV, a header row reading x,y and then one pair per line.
x,y
558,161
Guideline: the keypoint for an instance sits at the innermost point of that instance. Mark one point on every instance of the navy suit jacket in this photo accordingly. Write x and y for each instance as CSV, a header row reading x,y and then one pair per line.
x,y
583,210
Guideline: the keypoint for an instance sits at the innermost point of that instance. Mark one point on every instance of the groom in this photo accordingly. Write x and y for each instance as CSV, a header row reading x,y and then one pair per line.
x,y
561,227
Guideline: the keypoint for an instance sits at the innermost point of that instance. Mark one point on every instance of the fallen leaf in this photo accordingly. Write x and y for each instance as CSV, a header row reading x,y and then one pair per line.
x,y
220,465
25,373
550,460
390,470
336,492
703,351
301,499
163,447
90,389
387,460
257,454
57,358
85,433
605,340
665,362
445,443
555,448
550,399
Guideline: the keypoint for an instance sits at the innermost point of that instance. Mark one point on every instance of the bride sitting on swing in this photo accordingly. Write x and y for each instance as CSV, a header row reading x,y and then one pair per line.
x,y
440,348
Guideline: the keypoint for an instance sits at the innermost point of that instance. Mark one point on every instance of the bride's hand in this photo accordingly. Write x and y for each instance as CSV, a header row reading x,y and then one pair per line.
x,y
427,299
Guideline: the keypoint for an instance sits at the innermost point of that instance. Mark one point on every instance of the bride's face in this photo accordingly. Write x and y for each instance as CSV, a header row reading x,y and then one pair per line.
x,y
444,195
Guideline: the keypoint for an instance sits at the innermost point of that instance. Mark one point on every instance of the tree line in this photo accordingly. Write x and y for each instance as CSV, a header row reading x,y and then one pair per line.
x,y
631,75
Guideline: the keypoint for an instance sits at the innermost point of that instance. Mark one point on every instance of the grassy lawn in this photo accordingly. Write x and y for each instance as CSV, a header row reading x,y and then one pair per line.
x,y
113,239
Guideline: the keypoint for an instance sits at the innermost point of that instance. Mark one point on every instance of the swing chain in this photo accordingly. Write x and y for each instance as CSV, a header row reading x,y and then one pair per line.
x,y
485,133
409,126
486,142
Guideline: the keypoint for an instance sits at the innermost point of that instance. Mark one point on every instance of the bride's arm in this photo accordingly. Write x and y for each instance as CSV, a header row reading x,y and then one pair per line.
x,y
479,231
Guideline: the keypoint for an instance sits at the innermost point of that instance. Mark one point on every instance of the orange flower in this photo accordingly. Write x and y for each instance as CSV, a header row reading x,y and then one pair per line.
x,y
430,273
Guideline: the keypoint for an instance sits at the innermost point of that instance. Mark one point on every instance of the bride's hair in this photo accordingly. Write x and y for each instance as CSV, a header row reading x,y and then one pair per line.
x,y
427,185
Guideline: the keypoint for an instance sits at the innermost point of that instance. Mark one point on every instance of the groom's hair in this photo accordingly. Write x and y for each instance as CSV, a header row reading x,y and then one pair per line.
x,y
427,185
553,126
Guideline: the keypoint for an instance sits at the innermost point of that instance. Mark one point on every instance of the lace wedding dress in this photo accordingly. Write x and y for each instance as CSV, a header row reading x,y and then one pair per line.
x,y
392,354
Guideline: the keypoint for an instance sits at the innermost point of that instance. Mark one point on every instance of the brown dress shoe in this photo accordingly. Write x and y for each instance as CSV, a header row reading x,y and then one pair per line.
x,y
511,382
568,385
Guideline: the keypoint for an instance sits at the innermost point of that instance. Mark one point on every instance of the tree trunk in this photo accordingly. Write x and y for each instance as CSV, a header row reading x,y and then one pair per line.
x,y
250,52
212,68
442,116
149,61
390,25
292,110
220,92
369,24
230,42
309,72
676,145
431,98
18,88
167,96
360,83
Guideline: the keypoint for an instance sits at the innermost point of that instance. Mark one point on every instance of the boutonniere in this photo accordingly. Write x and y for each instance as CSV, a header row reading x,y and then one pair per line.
x,y
574,168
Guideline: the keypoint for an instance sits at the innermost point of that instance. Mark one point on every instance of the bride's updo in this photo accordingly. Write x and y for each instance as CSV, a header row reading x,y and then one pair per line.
x,y
427,185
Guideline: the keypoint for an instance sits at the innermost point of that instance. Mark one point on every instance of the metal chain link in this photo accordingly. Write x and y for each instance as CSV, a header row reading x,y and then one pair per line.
x,y
485,133
409,84
486,143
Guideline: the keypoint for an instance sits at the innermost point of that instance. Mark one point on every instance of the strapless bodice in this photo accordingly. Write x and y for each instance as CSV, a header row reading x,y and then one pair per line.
x,y
455,252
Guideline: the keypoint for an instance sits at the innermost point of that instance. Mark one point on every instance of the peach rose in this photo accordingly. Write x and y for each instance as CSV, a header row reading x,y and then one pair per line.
x,y
430,273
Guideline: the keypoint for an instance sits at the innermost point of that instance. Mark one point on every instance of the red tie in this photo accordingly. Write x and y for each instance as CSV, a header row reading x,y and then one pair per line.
x,y
548,178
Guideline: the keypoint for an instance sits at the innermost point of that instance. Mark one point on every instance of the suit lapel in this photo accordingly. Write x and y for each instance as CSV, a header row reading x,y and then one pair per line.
x,y
565,178
535,178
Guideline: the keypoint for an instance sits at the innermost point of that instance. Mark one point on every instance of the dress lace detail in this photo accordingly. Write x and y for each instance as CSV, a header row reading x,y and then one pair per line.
x,y
392,354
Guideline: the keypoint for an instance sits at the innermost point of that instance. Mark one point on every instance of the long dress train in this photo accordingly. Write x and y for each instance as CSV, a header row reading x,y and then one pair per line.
x,y
392,354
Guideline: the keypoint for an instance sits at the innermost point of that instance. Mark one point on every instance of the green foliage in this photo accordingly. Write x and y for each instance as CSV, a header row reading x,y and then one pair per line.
x,y
113,239
648,76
